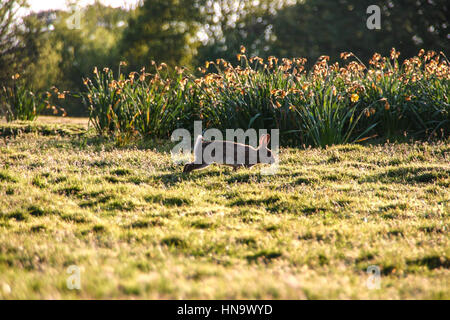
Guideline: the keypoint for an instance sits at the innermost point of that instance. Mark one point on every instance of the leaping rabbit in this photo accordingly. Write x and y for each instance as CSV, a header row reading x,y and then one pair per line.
x,y
233,154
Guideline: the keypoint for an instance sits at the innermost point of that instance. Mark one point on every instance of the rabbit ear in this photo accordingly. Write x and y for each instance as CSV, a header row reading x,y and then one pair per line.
x,y
264,140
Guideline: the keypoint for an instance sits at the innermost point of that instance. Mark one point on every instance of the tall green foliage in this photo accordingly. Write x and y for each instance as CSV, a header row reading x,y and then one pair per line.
x,y
140,104
313,27
18,102
68,52
230,24
325,106
164,31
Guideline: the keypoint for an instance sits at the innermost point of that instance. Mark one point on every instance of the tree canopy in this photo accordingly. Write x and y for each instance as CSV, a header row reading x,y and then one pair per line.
x,y
162,30
316,27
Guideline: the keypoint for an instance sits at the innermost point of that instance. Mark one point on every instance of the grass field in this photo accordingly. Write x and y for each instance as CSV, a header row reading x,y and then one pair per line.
x,y
138,228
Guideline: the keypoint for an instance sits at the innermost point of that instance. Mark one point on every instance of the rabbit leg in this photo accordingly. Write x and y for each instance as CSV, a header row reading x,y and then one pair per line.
x,y
194,166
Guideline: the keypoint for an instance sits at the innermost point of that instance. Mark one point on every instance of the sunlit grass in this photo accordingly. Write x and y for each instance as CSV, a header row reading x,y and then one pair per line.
x,y
138,228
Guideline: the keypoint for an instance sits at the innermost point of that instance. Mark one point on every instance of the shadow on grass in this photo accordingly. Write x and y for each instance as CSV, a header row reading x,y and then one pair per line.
x,y
265,256
431,262
410,175
171,179
17,128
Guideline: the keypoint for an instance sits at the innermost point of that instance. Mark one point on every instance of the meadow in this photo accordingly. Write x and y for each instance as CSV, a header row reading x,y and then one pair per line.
x,y
90,194
138,228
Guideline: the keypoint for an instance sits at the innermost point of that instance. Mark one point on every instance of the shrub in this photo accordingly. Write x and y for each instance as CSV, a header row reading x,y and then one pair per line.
x,y
18,102
330,104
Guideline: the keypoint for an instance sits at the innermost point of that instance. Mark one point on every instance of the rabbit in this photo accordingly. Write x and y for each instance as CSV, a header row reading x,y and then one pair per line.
x,y
234,154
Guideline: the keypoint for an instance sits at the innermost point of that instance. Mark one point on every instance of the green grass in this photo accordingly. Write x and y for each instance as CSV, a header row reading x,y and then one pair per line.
x,y
138,228
13,129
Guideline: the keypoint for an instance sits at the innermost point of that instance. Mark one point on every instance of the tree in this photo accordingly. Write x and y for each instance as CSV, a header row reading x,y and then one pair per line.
x,y
94,43
67,52
230,24
18,40
164,31
315,27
